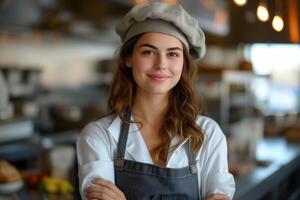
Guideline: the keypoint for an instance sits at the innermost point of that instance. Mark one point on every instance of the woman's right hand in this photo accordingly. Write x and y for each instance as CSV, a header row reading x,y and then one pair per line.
x,y
104,190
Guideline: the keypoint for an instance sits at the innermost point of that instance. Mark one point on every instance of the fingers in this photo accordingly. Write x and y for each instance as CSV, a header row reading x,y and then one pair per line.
x,y
99,192
104,190
109,185
99,196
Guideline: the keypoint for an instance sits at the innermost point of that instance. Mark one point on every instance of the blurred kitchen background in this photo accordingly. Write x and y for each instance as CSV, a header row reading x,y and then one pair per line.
x,y
56,62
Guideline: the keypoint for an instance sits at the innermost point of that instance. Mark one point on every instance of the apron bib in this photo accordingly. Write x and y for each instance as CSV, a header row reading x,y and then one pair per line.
x,y
142,181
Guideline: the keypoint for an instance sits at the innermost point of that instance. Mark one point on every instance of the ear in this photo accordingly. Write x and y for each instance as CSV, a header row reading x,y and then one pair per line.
x,y
128,62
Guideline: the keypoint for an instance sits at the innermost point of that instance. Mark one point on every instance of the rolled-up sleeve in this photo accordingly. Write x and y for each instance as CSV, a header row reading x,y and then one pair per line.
x,y
94,157
215,176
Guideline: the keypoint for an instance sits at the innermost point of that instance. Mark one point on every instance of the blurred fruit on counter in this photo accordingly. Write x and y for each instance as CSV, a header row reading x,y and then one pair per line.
x,y
54,185
33,179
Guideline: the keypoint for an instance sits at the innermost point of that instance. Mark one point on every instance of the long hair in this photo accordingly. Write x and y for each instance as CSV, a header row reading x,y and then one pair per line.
x,y
184,103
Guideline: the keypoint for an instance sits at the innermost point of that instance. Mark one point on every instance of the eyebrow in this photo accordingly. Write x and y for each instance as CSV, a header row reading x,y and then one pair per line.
x,y
154,47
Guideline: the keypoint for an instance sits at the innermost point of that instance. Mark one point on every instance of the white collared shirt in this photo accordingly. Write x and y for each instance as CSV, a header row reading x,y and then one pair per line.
x,y
97,145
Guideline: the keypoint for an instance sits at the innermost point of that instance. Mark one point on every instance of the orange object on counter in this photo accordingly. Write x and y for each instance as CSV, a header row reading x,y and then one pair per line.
x,y
8,172
33,179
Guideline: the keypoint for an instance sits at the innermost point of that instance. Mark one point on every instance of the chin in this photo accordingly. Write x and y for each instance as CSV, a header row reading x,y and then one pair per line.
x,y
160,91
157,89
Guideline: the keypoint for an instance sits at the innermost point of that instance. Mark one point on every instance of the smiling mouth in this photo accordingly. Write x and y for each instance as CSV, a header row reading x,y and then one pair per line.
x,y
158,77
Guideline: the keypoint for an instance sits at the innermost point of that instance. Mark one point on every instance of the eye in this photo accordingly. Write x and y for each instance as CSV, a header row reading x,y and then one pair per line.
x,y
148,52
173,54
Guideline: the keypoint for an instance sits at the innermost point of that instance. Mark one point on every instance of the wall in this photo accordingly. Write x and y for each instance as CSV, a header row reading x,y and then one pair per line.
x,y
67,62
71,62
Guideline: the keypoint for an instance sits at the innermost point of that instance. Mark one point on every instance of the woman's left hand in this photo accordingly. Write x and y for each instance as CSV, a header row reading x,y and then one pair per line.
x,y
104,190
217,197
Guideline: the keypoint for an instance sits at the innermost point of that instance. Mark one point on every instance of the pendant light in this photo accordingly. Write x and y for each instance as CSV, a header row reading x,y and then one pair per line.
x,y
262,11
140,1
170,1
240,2
277,22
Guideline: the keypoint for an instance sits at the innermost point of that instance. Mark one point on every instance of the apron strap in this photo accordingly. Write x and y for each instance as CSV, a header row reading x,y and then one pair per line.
x,y
191,157
123,137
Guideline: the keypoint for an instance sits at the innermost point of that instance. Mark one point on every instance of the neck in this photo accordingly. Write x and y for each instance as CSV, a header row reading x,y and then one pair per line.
x,y
150,108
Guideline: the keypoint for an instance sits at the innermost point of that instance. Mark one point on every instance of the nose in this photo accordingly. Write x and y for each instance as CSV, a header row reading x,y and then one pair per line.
x,y
161,62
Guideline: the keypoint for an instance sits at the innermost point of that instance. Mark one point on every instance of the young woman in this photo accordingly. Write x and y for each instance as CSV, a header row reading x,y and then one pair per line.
x,y
155,144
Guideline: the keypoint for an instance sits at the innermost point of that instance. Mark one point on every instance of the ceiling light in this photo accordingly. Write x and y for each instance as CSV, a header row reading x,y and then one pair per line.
x,y
262,12
277,23
240,2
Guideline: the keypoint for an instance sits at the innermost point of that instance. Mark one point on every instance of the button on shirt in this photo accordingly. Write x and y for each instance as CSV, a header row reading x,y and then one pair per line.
x,y
97,145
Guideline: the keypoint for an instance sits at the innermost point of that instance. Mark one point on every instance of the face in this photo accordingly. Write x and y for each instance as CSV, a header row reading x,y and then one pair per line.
x,y
156,62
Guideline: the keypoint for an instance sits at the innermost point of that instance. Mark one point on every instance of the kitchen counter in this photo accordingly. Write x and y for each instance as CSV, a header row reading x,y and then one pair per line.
x,y
275,179
28,151
278,178
29,194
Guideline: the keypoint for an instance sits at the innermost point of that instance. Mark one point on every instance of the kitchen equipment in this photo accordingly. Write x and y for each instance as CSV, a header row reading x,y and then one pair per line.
x,y
22,81
10,178
61,161
67,117
9,188
22,85
105,69
16,129
6,109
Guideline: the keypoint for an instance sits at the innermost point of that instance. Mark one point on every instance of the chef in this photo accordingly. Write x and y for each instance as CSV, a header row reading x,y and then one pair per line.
x,y
155,142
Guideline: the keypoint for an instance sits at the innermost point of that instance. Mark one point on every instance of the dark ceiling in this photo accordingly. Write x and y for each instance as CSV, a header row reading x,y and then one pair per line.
x,y
248,28
58,14
91,15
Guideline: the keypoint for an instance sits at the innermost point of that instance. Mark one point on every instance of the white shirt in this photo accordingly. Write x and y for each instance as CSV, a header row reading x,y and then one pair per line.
x,y
97,145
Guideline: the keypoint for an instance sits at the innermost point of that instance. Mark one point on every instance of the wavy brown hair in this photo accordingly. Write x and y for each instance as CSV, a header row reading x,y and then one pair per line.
x,y
184,103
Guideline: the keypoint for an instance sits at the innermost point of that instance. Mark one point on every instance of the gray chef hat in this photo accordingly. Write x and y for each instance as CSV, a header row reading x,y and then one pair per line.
x,y
165,18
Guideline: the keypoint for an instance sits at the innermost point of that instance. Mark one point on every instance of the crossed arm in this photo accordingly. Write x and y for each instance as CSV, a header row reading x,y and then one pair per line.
x,y
106,190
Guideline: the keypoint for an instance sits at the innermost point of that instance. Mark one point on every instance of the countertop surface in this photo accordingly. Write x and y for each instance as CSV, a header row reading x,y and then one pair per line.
x,y
282,159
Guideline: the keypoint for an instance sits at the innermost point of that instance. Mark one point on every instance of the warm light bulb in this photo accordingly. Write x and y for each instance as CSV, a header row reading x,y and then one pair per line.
x,y
262,12
140,1
240,2
170,1
277,23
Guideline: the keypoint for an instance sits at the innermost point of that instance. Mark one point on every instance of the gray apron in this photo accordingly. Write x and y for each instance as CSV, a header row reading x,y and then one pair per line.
x,y
142,181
